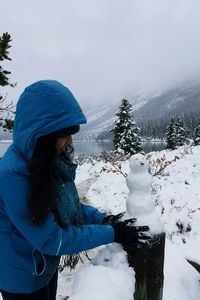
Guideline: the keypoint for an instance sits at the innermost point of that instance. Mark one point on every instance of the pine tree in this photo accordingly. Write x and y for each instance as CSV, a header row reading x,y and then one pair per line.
x,y
197,135
5,41
176,134
126,133
171,135
180,132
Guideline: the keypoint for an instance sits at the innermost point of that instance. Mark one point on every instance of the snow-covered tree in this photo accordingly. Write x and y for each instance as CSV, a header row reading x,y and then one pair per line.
x,y
180,132
176,134
197,135
126,134
171,135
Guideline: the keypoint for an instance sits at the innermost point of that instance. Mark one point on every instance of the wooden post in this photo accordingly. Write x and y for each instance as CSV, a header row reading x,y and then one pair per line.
x,y
148,263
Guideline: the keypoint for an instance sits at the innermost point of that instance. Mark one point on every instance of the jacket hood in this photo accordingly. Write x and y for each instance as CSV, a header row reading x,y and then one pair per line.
x,y
44,107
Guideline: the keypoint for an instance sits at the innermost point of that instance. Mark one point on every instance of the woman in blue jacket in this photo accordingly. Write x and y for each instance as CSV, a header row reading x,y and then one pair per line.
x,y
41,217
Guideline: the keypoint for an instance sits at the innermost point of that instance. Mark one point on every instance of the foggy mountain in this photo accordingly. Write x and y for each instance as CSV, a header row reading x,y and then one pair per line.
x,y
149,112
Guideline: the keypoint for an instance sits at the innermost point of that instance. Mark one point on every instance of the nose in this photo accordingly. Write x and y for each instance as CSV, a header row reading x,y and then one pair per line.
x,y
68,140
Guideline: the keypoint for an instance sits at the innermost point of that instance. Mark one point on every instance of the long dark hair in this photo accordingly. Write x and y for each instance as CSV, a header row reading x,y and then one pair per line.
x,y
43,175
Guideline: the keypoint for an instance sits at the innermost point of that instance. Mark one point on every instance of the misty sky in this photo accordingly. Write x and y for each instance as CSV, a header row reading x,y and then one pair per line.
x,y
102,50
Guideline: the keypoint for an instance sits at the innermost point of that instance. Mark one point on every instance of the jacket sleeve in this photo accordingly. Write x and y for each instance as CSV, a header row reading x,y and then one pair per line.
x,y
91,215
49,238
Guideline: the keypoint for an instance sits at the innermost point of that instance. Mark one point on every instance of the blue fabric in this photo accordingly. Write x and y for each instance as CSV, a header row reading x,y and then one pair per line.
x,y
45,106
28,253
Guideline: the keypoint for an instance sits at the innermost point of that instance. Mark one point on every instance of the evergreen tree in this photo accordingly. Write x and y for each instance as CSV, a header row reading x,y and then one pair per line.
x,y
5,41
126,133
171,135
180,132
197,135
176,134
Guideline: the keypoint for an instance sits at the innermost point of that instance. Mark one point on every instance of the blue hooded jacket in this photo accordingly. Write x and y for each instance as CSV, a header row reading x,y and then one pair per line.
x,y
44,107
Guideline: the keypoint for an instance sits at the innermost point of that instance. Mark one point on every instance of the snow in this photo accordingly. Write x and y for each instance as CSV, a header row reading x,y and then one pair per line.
x,y
4,144
94,115
108,277
181,279
176,194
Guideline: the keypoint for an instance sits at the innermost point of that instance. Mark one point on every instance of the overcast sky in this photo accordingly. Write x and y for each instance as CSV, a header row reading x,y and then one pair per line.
x,y
102,50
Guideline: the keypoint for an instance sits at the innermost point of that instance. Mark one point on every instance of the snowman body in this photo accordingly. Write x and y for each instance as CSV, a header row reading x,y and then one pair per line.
x,y
140,203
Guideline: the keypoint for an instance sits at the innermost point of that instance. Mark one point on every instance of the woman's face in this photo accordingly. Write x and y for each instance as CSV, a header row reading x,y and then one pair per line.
x,y
62,143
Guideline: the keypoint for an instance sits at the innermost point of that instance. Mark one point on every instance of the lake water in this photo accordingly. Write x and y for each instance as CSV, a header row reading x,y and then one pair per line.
x,y
95,148
90,148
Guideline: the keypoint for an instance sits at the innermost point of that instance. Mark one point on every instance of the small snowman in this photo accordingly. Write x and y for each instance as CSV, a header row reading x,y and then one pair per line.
x,y
140,203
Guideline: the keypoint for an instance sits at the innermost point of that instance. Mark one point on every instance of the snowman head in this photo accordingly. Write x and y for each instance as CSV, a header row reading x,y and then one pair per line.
x,y
138,163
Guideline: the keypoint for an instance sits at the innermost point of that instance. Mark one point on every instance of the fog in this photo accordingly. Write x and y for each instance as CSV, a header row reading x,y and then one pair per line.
x,y
102,50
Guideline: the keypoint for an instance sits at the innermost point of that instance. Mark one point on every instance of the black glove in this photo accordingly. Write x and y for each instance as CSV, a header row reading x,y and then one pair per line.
x,y
131,235
113,218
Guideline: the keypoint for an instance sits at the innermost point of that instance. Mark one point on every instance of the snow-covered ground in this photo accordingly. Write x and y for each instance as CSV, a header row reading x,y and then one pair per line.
x,y
176,194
